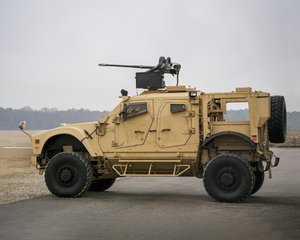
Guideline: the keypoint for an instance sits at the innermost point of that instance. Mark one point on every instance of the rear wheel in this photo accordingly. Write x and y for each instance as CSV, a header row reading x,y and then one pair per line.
x,y
101,185
68,174
227,178
259,177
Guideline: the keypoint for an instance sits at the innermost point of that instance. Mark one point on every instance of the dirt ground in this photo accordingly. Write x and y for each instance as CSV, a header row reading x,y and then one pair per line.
x,y
292,140
14,139
18,179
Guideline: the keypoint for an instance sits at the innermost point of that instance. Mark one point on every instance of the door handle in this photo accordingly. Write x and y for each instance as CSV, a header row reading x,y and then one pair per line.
x,y
166,130
138,131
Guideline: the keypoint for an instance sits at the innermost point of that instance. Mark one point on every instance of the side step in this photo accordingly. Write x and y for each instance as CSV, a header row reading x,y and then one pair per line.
x,y
123,168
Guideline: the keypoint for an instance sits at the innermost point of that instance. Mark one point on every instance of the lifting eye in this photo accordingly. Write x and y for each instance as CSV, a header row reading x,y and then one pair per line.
x,y
124,92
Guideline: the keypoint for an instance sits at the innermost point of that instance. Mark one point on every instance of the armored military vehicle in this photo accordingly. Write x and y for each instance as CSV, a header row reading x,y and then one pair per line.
x,y
172,131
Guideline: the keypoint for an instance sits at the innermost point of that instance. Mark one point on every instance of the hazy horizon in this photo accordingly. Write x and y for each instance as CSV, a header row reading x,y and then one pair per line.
x,y
96,110
50,49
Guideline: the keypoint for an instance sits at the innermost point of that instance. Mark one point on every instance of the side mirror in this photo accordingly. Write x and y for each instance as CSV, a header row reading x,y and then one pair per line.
x,y
22,125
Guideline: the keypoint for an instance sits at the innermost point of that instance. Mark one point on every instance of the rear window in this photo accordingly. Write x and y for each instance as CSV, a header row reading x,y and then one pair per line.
x,y
237,111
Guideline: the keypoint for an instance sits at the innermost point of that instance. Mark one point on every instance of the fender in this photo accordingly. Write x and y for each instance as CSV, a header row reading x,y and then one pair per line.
x,y
229,133
199,171
72,130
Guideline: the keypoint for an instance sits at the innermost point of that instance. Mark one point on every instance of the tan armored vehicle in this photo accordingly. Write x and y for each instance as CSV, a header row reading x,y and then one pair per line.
x,y
171,131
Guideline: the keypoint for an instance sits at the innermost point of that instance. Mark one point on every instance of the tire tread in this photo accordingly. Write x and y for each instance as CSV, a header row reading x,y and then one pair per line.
x,y
87,166
277,121
246,165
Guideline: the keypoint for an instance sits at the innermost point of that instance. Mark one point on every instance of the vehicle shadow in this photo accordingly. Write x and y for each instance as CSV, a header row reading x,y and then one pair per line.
x,y
197,198
147,196
275,200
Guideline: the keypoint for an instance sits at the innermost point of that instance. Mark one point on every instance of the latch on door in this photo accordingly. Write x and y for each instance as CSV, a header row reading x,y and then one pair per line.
x,y
166,130
138,131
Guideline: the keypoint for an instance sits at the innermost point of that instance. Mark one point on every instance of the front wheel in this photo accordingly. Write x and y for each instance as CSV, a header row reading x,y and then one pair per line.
x,y
227,178
68,174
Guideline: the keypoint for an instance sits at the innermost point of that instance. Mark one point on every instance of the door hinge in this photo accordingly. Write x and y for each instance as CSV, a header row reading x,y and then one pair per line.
x,y
190,114
190,131
116,120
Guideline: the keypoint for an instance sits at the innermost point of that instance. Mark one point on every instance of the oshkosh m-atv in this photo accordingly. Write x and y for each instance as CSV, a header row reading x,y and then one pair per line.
x,y
167,131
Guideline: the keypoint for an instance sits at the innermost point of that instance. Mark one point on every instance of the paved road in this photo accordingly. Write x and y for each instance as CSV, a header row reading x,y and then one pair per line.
x,y
164,208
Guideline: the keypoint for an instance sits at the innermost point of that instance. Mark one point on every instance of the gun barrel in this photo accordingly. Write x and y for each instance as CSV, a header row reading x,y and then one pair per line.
x,y
125,66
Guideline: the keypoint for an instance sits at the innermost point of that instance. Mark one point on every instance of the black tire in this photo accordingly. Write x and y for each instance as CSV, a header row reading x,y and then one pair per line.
x,y
68,174
259,177
227,178
101,185
277,122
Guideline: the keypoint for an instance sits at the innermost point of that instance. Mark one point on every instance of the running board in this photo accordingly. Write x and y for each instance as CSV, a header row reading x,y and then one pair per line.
x,y
122,169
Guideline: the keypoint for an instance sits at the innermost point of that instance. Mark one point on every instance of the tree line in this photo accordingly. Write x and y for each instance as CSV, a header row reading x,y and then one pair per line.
x,y
293,118
47,118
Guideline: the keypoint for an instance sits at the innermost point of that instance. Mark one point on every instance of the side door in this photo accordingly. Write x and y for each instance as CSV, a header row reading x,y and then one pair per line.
x,y
174,123
136,119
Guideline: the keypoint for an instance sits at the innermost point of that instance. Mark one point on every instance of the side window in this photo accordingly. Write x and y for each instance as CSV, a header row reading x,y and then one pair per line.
x,y
237,111
135,109
177,108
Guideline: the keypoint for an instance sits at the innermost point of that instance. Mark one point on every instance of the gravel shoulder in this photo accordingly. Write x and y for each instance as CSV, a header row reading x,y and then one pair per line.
x,y
22,186
18,179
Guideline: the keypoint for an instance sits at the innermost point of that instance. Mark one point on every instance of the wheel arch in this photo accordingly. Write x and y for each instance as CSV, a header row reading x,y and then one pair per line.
x,y
57,142
74,134
204,151
229,133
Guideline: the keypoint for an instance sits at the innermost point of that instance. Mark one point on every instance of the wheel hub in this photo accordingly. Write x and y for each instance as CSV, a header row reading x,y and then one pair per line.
x,y
65,175
227,179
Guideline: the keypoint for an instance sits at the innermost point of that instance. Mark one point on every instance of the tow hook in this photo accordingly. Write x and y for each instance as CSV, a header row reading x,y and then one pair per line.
x,y
270,165
277,159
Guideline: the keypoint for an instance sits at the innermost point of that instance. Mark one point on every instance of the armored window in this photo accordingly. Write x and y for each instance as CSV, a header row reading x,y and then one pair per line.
x,y
135,109
177,108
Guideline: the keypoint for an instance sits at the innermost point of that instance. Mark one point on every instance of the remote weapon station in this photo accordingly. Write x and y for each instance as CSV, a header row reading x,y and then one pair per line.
x,y
171,131
152,79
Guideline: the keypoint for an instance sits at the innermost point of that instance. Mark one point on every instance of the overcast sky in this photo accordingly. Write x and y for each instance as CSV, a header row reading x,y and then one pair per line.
x,y
50,49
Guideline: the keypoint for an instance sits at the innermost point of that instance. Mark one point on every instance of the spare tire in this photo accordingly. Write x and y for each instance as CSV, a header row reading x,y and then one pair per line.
x,y
277,121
